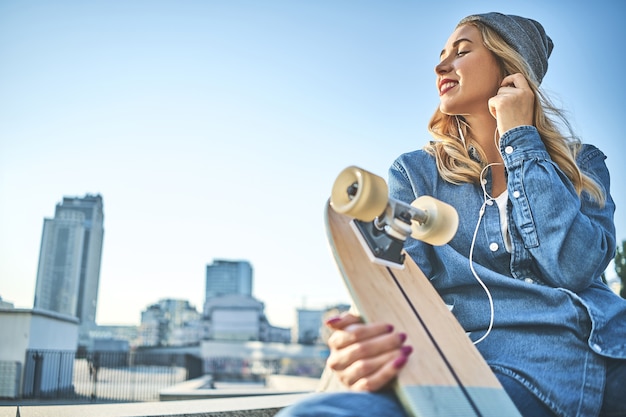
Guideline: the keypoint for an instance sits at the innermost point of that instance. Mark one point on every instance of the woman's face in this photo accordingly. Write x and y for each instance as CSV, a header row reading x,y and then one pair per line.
x,y
468,74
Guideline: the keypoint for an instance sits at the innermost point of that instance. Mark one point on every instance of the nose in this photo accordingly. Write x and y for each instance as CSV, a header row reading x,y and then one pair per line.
x,y
443,67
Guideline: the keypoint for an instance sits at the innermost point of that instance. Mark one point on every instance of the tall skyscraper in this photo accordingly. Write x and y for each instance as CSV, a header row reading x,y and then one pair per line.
x,y
68,274
228,277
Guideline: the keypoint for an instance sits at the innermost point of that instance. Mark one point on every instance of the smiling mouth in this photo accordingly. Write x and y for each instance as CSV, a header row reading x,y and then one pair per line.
x,y
443,88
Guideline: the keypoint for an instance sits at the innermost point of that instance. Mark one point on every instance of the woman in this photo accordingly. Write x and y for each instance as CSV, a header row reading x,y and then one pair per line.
x,y
523,273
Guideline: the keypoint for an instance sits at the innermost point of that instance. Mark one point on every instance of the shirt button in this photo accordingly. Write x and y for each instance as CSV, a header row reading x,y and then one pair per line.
x,y
508,150
490,202
516,194
529,281
493,246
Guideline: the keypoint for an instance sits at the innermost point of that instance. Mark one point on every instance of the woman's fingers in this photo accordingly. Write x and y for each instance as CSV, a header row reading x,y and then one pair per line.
x,y
340,322
365,357
513,105
374,374
361,349
357,332
516,80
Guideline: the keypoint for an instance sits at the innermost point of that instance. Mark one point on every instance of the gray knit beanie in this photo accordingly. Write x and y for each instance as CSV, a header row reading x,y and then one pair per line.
x,y
526,36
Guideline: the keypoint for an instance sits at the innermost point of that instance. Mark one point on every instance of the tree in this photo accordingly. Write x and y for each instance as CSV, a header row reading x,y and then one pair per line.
x,y
620,266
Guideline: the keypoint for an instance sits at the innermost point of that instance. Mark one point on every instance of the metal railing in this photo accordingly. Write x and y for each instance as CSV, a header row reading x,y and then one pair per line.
x,y
103,376
132,376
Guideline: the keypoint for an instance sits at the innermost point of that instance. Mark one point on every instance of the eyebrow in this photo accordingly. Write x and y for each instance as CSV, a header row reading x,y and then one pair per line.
x,y
455,44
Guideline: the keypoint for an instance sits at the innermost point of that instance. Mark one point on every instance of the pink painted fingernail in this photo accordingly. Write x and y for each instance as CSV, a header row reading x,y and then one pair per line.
x,y
389,328
400,362
333,320
402,337
406,350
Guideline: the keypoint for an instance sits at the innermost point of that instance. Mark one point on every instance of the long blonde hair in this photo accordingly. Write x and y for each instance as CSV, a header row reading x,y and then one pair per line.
x,y
451,151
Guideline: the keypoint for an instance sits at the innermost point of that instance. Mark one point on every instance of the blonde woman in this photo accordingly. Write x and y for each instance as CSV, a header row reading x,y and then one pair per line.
x,y
523,273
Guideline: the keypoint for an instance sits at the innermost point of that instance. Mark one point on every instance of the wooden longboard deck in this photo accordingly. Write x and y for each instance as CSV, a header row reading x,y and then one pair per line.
x,y
445,375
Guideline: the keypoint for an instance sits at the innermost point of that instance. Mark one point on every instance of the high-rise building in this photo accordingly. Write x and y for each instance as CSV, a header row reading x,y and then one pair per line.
x,y
228,277
230,311
68,274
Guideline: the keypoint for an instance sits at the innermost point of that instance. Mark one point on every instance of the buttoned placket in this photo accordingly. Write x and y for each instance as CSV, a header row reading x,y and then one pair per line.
x,y
493,228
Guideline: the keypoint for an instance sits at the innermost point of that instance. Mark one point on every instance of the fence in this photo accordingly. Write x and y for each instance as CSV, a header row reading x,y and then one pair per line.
x,y
133,376
104,376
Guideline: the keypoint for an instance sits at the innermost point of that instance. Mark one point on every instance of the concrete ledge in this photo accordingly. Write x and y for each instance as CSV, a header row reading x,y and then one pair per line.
x,y
258,406
274,385
8,411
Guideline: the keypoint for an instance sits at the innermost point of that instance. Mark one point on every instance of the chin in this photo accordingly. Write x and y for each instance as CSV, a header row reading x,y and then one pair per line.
x,y
447,111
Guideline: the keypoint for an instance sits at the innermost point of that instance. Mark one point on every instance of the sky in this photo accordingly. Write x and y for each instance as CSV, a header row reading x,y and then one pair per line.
x,y
215,129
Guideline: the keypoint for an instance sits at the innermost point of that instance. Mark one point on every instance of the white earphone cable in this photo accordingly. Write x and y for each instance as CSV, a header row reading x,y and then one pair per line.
x,y
487,198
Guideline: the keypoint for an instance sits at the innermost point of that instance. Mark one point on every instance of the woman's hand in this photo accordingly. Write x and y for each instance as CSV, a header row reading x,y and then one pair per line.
x,y
514,104
365,357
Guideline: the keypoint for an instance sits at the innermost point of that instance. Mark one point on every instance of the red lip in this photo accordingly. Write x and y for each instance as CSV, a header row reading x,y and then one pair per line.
x,y
442,90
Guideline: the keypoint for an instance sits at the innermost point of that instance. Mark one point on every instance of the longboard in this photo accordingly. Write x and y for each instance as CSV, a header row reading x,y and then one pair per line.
x,y
446,375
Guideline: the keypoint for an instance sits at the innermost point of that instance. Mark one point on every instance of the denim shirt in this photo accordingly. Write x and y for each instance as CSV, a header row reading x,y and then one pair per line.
x,y
554,319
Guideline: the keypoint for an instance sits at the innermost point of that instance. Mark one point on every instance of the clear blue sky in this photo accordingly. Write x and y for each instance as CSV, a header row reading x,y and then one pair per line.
x,y
214,129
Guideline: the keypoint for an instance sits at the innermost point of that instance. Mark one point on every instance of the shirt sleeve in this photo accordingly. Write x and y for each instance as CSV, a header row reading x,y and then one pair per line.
x,y
570,238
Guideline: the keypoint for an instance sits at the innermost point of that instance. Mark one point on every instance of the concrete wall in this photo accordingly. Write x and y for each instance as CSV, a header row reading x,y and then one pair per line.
x,y
49,331
35,329
15,325
260,406
24,330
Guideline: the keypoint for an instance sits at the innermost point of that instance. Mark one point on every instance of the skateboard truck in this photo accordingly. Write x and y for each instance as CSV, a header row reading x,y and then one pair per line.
x,y
383,224
386,234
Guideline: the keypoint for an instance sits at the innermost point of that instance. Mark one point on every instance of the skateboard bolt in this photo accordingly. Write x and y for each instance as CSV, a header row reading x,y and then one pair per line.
x,y
353,189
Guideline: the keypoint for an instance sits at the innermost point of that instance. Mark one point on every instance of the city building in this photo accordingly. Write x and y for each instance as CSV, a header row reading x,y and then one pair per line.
x,y
171,322
230,310
308,326
128,333
68,273
103,337
235,317
225,277
232,317
230,313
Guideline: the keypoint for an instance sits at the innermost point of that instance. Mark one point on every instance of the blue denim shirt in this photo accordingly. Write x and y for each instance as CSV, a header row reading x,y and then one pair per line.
x,y
554,318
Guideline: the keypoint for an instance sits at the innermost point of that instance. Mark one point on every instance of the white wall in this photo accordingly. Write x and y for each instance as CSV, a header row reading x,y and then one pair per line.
x,y
15,330
48,332
231,324
22,330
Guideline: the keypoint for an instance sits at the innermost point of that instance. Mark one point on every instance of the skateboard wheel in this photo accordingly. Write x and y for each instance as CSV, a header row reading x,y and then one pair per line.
x,y
360,194
442,222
